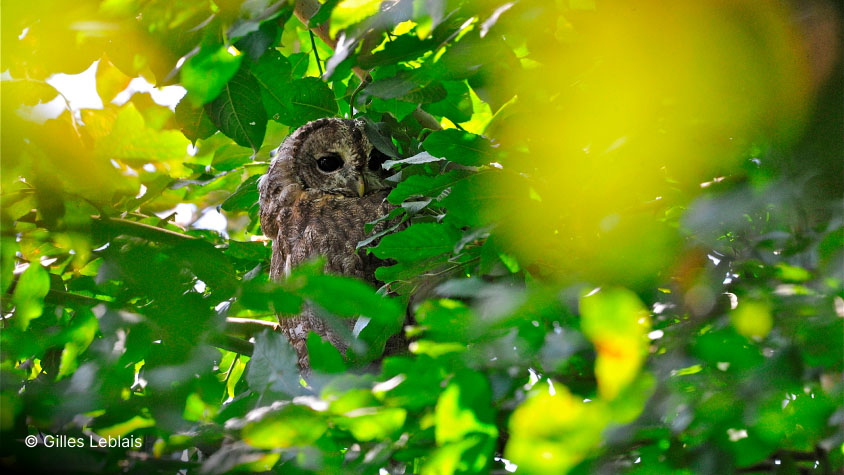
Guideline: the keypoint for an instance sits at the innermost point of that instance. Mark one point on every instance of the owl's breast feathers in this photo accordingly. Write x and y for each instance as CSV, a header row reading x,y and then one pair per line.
x,y
310,223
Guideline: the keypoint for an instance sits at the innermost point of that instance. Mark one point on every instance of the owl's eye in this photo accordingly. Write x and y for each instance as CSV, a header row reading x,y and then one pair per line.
x,y
376,159
330,163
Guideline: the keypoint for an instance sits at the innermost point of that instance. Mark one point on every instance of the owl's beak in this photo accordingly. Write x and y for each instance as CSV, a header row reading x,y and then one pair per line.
x,y
361,186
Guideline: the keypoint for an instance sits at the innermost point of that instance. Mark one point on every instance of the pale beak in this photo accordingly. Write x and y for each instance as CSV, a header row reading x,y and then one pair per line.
x,y
361,186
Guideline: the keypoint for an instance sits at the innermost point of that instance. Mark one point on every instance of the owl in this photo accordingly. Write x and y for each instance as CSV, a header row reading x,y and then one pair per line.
x,y
324,184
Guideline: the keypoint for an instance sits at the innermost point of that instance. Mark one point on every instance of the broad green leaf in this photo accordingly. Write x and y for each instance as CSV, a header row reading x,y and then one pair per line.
x,y
273,72
28,297
417,242
425,185
293,425
465,409
300,101
460,147
237,113
132,141
457,106
373,423
403,48
273,365
346,297
194,121
245,197
553,432
205,74
323,356
350,12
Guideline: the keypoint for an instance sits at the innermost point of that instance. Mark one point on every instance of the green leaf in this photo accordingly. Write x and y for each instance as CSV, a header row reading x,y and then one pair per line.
x,y
206,74
465,409
28,297
373,424
403,48
132,141
194,121
300,101
350,12
426,185
417,242
238,114
459,147
293,425
273,75
245,197
323,356
457,106
347,297
273,365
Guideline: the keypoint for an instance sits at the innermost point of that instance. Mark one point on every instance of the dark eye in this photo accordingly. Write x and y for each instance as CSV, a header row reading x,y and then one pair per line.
x,y
376,159
330,163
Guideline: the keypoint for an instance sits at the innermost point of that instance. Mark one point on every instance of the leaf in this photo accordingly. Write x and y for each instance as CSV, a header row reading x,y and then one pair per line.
x,y
417,242
464,410
402,48
291,426
273,75
323,356
551,433
132,141
421,157
350,12
302,101
237,113
457,106
347,297
28,297
273,365
617,323
245,197
206,74
373,424
459,147
194,121
425,185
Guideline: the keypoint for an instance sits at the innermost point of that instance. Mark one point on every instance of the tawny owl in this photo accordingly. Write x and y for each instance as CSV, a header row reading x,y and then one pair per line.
x,y
324,184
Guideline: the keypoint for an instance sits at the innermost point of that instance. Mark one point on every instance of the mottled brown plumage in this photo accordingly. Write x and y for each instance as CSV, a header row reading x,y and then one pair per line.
x,y
324,184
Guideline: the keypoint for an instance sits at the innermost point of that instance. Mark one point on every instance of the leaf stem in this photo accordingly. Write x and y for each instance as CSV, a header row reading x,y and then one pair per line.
x,y
316,53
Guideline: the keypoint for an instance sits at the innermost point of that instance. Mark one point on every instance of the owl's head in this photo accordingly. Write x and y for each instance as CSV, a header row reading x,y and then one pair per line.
x,y
334,156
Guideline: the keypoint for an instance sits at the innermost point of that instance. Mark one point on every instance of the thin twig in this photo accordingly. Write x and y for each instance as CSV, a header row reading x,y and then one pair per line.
x,y
316,53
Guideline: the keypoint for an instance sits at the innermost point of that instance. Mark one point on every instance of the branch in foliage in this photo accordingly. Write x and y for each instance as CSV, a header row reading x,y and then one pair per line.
x,y
234,344
247,327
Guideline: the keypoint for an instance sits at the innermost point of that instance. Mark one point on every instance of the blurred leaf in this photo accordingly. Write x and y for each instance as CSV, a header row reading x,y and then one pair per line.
x,y
551,433
132,141
323,356
28,297
617,323
373,423
273,365
293,425
752,319
349,12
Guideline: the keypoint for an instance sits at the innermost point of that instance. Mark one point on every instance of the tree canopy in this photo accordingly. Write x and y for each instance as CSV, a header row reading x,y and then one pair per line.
x,y
619,242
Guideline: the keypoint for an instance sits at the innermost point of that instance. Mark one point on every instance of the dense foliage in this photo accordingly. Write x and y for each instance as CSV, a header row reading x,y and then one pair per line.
x,y
620,242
